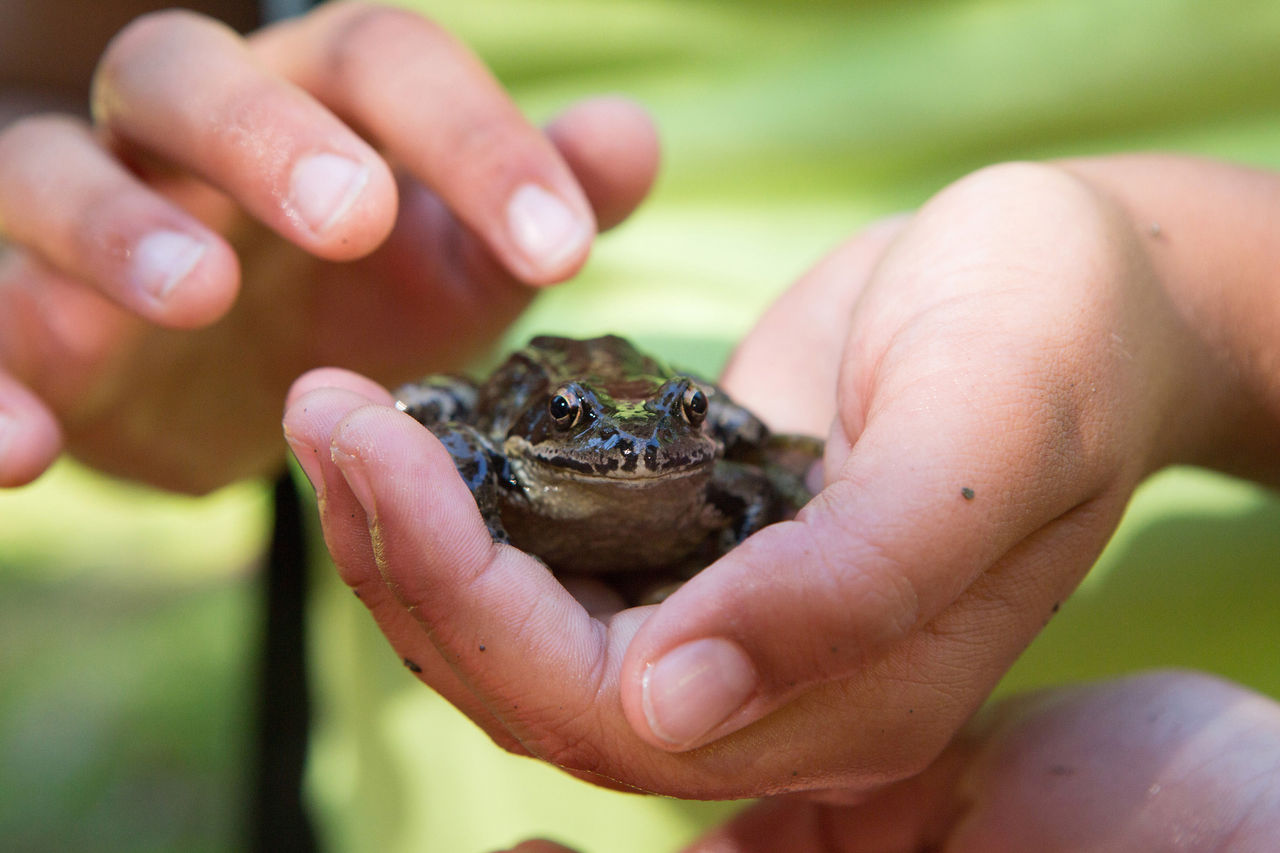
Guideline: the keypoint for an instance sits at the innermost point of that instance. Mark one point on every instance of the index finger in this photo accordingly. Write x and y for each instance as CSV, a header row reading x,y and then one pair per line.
x,y
425,99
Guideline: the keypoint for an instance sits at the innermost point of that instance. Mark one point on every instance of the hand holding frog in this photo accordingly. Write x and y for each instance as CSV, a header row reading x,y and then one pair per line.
x,y
1158,761
357,134
996,374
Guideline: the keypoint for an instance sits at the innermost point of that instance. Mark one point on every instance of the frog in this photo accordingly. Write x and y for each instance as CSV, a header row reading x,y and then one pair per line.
x,y
599,459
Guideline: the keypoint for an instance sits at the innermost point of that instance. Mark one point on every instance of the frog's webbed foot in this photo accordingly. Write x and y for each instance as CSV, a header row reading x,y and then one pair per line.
x,y
480,467
436,399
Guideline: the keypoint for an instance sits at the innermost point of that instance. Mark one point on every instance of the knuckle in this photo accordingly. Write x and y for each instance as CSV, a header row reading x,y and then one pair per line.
x,y
486,151
145,52
578,754
142,36
865,581
1017,177
367,30
32,136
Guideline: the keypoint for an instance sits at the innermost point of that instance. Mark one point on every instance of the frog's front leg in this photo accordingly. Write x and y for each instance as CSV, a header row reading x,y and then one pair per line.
x,y
743,498
441,403
480,467
437,399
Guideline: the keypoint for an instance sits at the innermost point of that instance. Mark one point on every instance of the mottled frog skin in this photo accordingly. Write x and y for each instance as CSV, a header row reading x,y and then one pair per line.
x,y
596,457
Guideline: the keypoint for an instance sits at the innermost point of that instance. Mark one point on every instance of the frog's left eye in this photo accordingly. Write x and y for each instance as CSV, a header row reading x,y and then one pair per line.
x,y
564,408
694,405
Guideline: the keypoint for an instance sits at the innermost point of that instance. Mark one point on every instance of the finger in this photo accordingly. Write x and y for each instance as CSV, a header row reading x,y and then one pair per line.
x,y
430,244
513,635
318,403
1159,761
438,112
915,814
336,377
967,459
63,197
30,437
186,89
1151,762
611,146
793,388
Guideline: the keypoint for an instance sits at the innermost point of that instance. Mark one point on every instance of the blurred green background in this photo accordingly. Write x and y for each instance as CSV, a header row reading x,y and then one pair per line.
x,y
129,619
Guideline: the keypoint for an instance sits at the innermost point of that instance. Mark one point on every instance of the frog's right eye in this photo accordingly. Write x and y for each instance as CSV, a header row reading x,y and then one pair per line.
x,y
564,408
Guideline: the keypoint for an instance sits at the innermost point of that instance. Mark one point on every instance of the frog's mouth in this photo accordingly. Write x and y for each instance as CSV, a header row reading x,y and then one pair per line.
x,y
622,464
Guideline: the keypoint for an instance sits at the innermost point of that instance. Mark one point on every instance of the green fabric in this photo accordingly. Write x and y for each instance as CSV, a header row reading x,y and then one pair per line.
x,y
786,126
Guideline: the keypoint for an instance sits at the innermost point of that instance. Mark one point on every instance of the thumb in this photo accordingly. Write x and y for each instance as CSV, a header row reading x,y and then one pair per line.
x,y
612,147
875,558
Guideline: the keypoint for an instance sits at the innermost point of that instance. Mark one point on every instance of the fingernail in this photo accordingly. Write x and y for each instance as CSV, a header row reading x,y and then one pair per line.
x,y
162,259
323,187
547,232
695,687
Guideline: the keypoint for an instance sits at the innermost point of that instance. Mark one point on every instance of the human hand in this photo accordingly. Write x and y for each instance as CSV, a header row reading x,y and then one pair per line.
x,y
379,196
1158,761
997,373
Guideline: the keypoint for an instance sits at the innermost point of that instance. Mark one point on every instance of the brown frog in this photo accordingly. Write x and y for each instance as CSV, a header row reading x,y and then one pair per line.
x,y
596,457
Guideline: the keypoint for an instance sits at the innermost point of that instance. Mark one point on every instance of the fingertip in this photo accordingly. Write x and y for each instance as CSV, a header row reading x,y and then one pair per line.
x,y
611,144
30,437
406,481
337,378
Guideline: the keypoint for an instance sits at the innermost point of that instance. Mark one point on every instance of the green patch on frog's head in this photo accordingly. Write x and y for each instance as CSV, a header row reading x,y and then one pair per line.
x,y
584,431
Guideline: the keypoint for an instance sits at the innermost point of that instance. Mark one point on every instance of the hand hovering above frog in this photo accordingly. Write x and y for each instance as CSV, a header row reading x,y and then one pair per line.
x,y
222,226
995,374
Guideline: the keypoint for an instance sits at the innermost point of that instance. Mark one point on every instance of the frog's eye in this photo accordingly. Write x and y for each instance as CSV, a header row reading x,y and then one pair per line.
x,y
694,405
564,407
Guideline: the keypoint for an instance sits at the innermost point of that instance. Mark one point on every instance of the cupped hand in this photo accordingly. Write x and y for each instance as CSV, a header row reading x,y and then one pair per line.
x,y
995,374
349,187
1159,761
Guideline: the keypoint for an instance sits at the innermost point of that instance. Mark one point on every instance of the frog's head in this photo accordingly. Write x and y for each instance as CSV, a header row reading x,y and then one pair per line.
x,y
635,432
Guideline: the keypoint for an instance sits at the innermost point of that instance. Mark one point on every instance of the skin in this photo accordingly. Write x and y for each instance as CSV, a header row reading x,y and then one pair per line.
x,y
92,362
1101,352
1168,761
1067,348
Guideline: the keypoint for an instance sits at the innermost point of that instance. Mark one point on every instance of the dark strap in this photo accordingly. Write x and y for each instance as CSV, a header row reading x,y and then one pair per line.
x,y
278,820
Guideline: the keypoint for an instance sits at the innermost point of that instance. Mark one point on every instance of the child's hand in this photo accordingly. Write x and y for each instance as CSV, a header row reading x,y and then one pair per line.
x,y
1159,761
379,196
996,373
